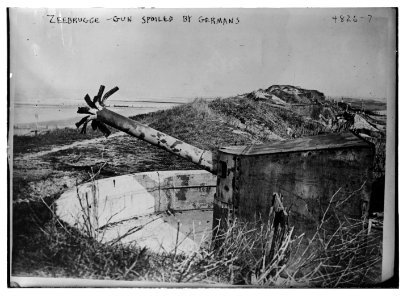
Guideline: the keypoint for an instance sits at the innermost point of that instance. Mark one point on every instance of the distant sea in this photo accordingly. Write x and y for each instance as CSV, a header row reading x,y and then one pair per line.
x,y
28,117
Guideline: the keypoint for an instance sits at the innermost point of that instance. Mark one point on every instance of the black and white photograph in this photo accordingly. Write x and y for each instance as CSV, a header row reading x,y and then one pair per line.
x,y
202,147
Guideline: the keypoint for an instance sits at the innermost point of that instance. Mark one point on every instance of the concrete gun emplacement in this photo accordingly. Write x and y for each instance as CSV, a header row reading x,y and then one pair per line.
x,y
306,171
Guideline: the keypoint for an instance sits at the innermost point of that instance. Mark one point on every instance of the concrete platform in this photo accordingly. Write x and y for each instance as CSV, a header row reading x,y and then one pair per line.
x,y
133,208
158,232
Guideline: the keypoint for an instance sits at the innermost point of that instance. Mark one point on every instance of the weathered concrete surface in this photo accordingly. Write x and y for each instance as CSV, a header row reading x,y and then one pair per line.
x,y
144,195
307,180
106,201
123,197
307,173
225,190
158,232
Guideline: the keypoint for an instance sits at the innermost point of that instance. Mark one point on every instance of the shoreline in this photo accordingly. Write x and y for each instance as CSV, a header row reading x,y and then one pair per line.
x,y
33,128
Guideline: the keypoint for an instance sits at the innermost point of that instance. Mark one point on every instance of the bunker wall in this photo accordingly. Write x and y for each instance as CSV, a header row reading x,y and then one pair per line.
x,y
123,197
306,179
225,187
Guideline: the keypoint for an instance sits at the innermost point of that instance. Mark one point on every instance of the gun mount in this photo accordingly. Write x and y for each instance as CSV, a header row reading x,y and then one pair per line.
x,y
306,171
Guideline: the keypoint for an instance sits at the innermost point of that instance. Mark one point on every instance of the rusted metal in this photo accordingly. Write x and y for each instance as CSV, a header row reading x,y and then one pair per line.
x,y
99,116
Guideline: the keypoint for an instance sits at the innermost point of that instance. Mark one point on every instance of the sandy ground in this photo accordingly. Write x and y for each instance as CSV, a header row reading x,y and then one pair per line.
x,y
48,173
79,144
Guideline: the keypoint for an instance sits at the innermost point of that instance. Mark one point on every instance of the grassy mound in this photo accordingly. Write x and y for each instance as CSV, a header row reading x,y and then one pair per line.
x,y
195,123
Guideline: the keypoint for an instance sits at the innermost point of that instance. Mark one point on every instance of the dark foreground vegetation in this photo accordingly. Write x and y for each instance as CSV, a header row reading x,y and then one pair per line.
x,y
247,256
42,245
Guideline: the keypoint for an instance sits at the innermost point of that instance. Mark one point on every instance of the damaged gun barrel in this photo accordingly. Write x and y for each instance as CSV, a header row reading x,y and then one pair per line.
x,y
203,158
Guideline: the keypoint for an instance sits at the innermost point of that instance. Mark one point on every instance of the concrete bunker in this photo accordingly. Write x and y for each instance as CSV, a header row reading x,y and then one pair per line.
x,y
144,208
306,171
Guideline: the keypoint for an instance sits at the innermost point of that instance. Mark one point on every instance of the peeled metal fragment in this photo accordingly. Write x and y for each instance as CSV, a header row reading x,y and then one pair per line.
x,y
109,93
98,97
85,110
89,101
82,121
103,128
94,124
83,131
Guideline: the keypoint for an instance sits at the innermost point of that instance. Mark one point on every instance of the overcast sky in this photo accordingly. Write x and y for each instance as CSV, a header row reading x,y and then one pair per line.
x,y
303,47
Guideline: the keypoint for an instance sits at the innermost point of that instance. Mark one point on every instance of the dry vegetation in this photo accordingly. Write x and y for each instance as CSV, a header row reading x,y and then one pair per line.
x,y
249,254
45,246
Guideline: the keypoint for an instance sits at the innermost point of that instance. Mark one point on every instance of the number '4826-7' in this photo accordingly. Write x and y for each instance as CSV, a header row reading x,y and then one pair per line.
x,y
351,19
